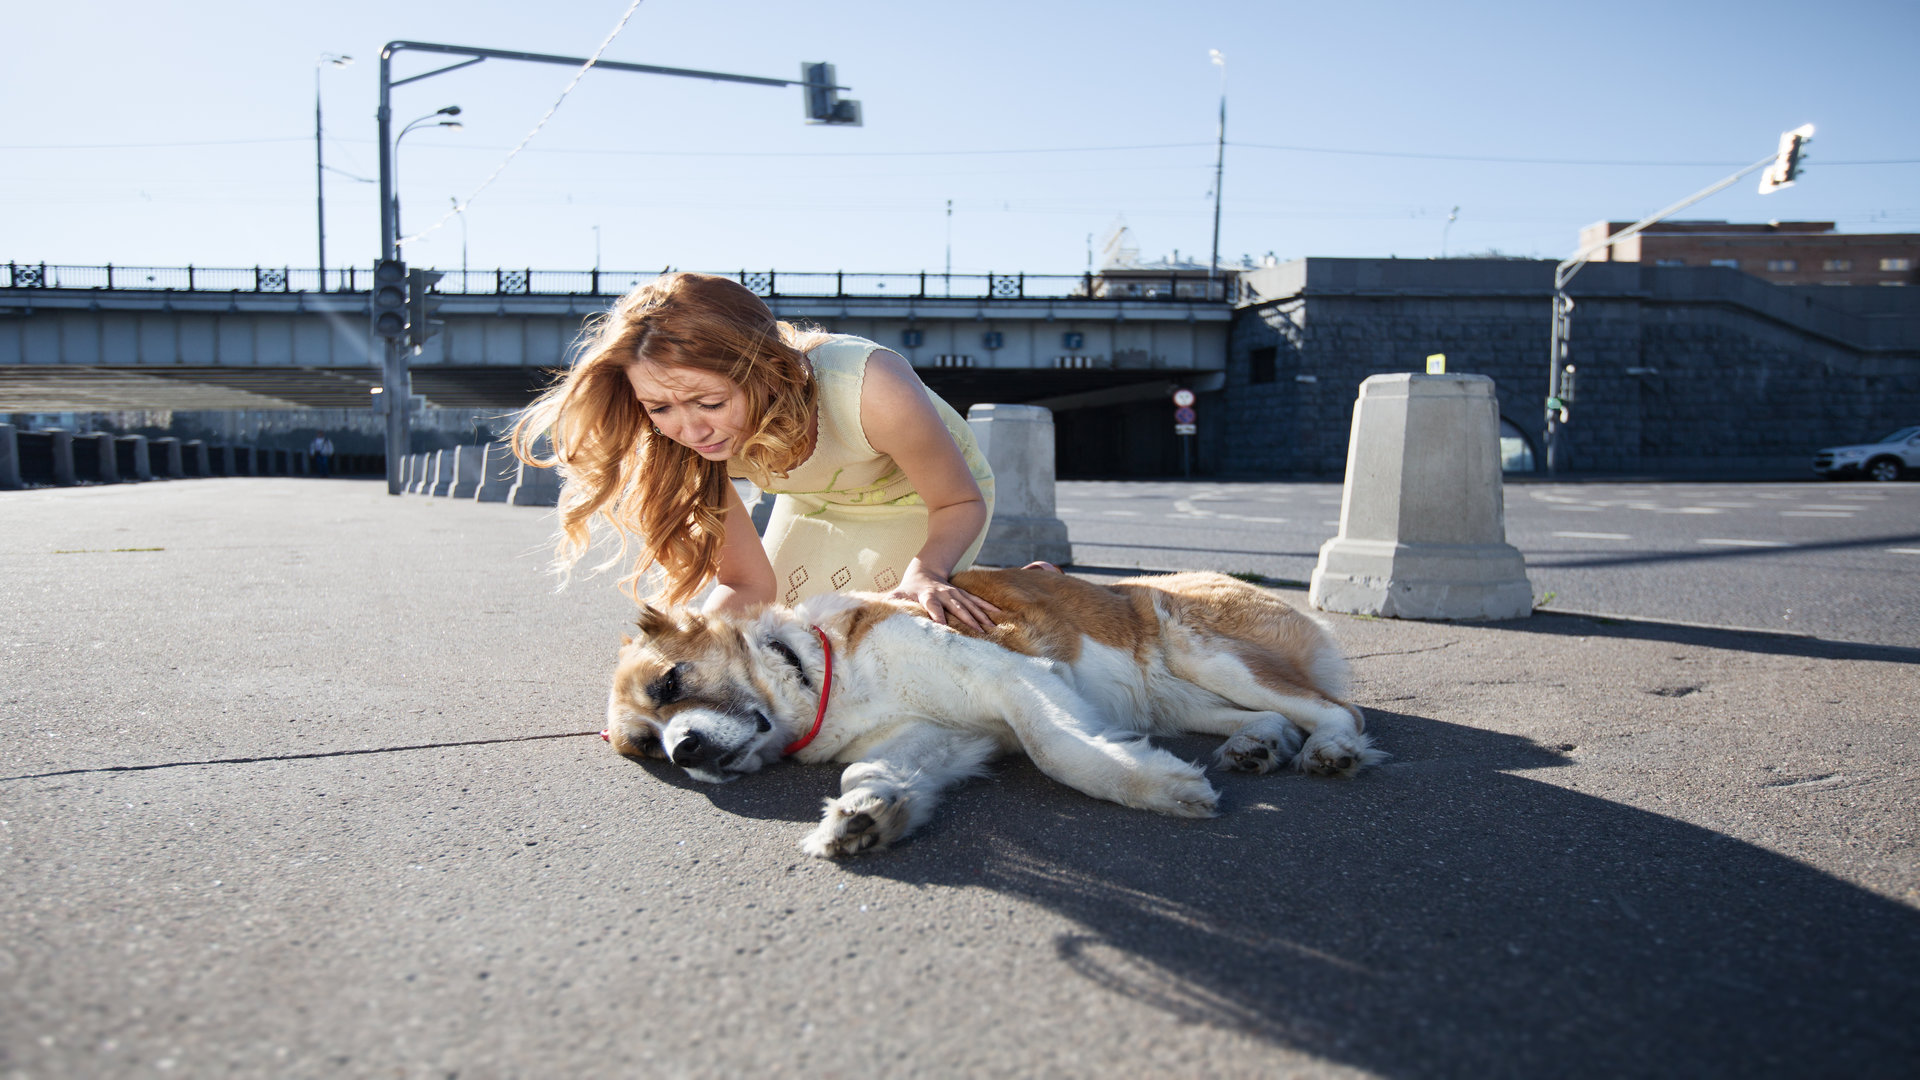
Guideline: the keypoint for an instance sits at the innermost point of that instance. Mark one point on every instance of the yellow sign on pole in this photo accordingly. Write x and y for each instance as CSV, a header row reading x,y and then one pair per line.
x,y
1437,364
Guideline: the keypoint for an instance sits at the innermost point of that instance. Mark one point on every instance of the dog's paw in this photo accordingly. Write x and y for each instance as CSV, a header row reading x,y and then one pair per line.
x,y
1337,753
1182,791
1258,752
856,822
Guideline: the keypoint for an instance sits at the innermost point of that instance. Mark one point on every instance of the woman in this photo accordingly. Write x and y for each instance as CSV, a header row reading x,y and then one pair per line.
x,y
690,381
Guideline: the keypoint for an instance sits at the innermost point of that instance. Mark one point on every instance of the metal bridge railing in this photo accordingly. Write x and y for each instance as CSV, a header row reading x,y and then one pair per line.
x,y
1131,285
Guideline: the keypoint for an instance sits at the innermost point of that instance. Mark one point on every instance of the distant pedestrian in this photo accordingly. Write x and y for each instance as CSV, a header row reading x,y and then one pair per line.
x,y
690,381
321,451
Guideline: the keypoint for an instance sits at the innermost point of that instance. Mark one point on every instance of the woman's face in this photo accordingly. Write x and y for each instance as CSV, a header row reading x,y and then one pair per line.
x,y
702,412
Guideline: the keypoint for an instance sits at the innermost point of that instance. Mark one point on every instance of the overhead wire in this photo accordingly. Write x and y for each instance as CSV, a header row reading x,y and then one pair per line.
x,y
461,206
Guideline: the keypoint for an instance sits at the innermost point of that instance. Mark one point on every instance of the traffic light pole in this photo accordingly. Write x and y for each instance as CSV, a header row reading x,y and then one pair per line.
x,y
1559,369
395,378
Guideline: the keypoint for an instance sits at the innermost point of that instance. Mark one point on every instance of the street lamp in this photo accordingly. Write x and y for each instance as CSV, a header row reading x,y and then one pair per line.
x,y
326,60
1219,166
822,104
461,213
451,110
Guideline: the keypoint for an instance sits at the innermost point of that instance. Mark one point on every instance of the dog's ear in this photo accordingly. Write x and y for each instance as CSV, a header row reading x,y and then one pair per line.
x,y
653,621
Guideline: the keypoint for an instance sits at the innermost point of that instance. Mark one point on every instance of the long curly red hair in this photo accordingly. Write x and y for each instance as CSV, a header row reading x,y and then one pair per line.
x,y
617,469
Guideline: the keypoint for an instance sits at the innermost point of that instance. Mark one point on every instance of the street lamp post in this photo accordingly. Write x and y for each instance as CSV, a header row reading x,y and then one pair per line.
x,y
461,213
451,110
1219,167
822,106
319,166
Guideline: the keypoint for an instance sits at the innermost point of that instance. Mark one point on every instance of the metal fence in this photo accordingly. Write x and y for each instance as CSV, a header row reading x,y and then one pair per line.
x,y
1134,285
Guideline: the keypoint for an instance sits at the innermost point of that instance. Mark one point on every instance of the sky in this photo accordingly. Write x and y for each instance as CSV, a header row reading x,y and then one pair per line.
x,y
168,134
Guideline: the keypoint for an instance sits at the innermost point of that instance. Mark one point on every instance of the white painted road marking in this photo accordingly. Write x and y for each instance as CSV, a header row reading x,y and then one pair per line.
x,y
1747,543
1817,513
1904,551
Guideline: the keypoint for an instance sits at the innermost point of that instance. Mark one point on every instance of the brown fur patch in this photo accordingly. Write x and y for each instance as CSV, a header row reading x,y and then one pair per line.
x,y
864,618
1048,613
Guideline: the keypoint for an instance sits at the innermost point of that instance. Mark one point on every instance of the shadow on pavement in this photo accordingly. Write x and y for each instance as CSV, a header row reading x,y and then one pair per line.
x,y
1568,624
1444,915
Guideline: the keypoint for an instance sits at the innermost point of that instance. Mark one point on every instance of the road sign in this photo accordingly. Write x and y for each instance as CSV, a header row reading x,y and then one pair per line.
x,y
1183,397
1183,415
1184,429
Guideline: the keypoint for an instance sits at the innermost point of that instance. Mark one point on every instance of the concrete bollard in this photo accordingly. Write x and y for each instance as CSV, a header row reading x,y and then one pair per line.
x,y
466,470
195,458
535,486
93,458
46,457
1422,521
165,459
133,457
413,469
9,459
444,464
499,469
1018,443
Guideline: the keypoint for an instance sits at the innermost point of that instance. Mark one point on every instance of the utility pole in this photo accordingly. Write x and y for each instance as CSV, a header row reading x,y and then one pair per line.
x,y
319,163
1219,167
1785,169
822,106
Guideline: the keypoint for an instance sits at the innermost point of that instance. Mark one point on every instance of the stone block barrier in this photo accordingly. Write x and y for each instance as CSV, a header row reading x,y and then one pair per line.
x,y
467,460
132,457
93,459
1018,443
443,466
9,458
165,459
499,469
194,459
1422,521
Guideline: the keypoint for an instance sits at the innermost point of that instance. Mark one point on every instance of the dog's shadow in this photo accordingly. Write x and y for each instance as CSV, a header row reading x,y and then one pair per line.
x,y
781,792
1445,914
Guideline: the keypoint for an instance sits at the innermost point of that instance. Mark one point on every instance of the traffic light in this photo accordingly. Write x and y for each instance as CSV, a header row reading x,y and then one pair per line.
x,y
1788,163
822,97
422,304
390,299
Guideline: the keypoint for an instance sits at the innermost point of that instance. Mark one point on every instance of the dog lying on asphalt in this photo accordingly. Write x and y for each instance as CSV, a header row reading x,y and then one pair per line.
x,y
1074,675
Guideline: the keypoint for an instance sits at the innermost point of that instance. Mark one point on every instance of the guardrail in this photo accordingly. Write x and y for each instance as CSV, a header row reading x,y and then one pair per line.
x,y
1131,285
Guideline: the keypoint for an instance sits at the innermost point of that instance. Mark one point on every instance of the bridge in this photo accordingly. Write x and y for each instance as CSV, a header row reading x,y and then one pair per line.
x,y
100,338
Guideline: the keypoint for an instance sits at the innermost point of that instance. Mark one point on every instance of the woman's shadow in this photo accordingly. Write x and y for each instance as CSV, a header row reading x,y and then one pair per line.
x,y
1443,915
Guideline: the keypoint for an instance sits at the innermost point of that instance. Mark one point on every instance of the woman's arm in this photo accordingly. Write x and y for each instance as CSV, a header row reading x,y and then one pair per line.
x,y
901,422
745,578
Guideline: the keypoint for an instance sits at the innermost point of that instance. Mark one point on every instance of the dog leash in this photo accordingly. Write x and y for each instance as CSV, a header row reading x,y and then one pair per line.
x,y
820,714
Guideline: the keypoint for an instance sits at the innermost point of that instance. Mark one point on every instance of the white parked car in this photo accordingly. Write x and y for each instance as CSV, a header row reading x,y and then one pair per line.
x,y
1883,460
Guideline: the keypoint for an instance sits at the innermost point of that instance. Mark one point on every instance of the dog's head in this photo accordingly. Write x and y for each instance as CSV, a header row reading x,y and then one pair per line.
x,y
713,695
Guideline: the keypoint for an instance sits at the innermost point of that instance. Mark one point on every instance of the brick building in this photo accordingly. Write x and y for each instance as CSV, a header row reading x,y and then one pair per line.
x,y
1781,252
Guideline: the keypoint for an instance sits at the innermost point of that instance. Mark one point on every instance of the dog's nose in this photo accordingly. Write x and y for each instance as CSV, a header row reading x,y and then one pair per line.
x,y
690,750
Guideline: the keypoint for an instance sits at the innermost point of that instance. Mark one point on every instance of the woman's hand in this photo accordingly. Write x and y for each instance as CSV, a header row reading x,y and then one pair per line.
x,y
944,602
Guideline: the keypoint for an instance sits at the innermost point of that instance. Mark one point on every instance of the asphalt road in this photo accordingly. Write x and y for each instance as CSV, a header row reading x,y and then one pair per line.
x,y
298,779
1833,560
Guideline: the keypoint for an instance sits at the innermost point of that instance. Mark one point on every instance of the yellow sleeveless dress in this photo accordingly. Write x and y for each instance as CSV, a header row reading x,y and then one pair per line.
x,y
846,519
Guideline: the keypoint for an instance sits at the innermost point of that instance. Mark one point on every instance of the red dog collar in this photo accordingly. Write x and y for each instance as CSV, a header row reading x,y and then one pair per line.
x,y
826,684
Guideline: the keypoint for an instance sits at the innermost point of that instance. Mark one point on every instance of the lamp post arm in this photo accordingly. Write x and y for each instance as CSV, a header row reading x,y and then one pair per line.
x,y
1564,272
572,61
